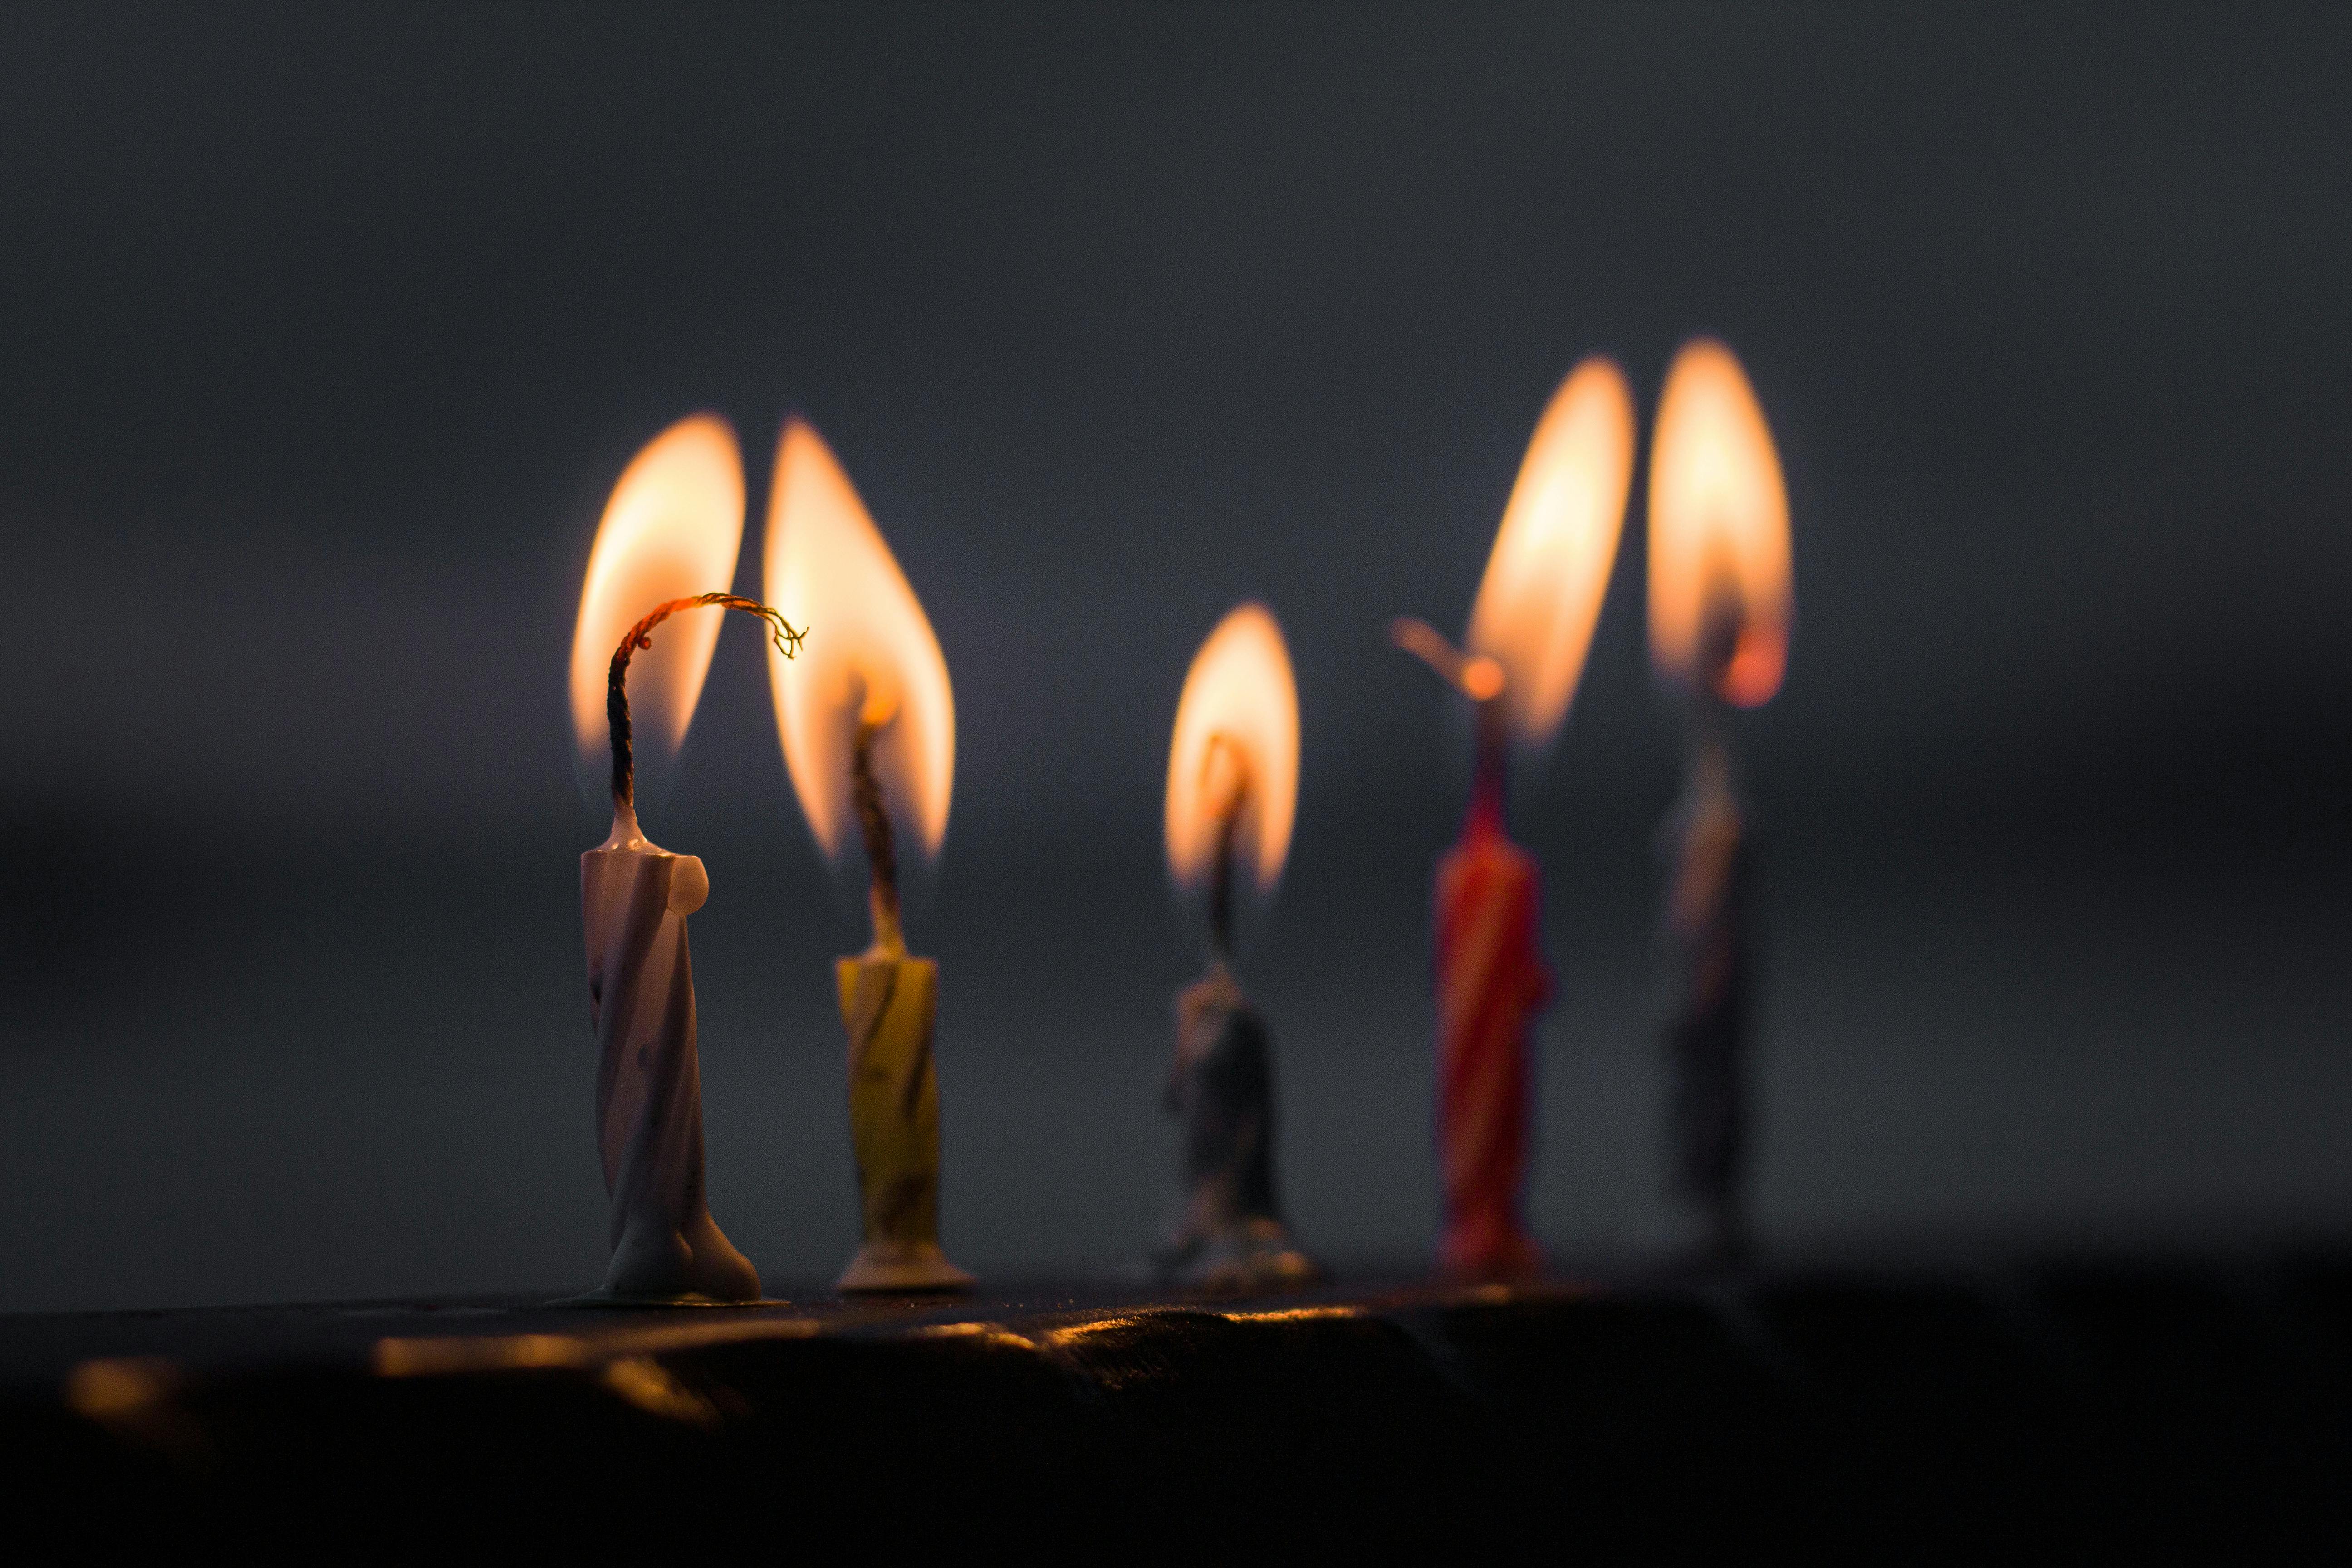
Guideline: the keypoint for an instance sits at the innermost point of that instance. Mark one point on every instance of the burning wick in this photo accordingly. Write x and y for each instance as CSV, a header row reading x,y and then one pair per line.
x,y
634,898
1481,679
874,716
1491,982
1234,778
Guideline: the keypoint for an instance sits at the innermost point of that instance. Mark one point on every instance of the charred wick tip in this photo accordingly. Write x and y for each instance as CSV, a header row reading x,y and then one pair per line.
x,y
781,632
1475,675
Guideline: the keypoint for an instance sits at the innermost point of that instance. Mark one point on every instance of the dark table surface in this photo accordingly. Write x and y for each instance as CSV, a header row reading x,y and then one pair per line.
x,y
2093,1400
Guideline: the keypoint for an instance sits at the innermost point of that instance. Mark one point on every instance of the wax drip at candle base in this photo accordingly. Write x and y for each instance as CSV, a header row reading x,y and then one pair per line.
x,y
1707,843
889,1008
1229,1233
1491,982
634,898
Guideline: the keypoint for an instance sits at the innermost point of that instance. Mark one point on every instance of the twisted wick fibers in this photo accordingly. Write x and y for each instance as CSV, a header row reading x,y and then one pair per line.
x,y
781,632
874,819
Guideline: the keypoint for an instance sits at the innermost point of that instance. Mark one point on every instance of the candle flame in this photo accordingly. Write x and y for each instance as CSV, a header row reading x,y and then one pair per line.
x,y
1236,734
1541,594
1719,527
672,529
874,661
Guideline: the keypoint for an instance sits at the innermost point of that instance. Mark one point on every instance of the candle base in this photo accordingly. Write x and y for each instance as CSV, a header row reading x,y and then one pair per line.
x,y
1488,1248
1708,898
901,1266
1256,1256
890,1003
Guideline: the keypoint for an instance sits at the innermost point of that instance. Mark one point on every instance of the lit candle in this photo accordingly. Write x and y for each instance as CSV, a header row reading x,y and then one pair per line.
x,y
1720,606
1529,629
1232,791
674,524
867,723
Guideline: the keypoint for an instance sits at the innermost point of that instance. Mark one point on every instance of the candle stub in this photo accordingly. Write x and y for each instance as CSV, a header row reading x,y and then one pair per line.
x,y
634,898
1491,982
889,1007
1229,1233
890,1003
1710,870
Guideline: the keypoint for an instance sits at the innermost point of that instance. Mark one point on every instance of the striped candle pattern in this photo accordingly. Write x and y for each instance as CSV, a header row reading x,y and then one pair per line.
x,y
1491,982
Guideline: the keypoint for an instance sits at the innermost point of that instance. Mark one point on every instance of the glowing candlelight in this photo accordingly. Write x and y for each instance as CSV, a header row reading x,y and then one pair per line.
x,y
1719,529
1529,629
673,526
1720,606
867,724
1232,791
1541,592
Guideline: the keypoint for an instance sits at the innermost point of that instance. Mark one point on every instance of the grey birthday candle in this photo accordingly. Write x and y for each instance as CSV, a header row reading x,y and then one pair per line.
x,y
1707,847
1720,608
1233,787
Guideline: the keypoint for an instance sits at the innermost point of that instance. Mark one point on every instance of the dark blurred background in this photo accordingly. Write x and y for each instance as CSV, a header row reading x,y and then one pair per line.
x,y
324,334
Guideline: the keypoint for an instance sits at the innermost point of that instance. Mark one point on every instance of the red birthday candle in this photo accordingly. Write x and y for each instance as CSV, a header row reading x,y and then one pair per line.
x,y
1529,629
1491,983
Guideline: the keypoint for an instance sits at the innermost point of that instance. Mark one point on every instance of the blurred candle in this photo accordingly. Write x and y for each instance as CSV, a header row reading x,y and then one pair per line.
x,y
1232,791
1720,606
868,724
674,525
1529,629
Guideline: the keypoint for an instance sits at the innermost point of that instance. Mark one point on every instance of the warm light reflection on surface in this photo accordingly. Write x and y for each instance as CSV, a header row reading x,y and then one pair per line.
x,y
672,529
441,1356
1550,567
437,1356
648,1384
1074,1332
1718,523
1236,729
870,647
116,1386
1293,1315
986,1333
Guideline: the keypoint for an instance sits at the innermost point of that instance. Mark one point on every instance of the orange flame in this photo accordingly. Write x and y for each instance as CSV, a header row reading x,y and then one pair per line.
x,y
1237,730
876,657
1719,525
1544,582
672,529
